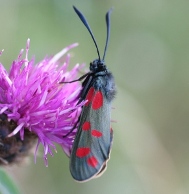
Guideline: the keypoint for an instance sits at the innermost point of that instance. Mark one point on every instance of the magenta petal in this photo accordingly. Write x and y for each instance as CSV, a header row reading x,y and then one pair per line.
x,y
30,95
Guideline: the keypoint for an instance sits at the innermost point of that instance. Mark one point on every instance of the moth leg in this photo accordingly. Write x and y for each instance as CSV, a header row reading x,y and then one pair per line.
x,y
72,128
79,79
86,85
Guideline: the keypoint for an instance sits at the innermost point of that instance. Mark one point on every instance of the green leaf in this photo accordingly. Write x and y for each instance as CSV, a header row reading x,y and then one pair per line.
x,y
7,186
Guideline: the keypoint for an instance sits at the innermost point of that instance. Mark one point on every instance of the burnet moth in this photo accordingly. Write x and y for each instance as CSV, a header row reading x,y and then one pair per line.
x,y
92,144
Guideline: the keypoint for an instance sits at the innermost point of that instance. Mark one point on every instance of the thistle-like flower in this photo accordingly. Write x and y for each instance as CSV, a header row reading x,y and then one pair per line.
x,y
35,106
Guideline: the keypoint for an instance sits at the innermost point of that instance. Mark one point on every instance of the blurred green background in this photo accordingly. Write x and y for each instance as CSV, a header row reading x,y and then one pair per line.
x,y
149,57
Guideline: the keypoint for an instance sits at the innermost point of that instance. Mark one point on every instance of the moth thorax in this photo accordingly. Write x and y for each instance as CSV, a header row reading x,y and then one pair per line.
x,y
97,66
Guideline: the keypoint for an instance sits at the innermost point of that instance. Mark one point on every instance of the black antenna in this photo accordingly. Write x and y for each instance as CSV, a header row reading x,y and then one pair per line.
x,y
108,31
82,18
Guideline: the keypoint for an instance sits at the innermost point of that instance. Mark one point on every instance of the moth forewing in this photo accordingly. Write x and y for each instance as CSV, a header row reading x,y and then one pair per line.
x,y
98,138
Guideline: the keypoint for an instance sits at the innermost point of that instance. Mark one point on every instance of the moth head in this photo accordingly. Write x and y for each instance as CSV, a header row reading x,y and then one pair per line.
x,y
97,66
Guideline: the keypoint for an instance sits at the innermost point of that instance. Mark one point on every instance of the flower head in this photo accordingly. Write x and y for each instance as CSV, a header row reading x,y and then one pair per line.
x,y
32,97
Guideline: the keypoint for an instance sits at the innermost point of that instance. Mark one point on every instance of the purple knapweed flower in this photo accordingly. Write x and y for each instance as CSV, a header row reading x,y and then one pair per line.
x,y
34,105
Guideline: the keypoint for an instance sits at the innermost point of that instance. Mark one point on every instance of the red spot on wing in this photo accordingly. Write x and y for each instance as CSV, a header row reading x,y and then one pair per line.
x,y
82,152
89,96
97,100
86,125
92,161
96,133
